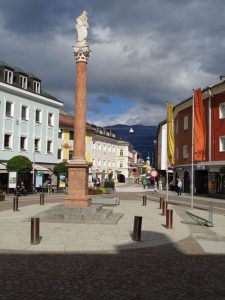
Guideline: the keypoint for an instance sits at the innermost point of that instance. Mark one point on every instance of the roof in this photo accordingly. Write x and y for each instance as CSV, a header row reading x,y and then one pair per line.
x,y
21,71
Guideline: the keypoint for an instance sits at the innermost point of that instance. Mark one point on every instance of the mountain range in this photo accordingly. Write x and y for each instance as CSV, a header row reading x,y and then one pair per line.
x,y
142,137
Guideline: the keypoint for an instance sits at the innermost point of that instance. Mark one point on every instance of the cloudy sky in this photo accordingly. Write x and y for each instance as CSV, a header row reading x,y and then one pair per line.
x,y
144,52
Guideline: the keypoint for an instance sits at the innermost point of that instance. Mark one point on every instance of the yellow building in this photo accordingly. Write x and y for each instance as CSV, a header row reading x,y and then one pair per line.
x,y
66,138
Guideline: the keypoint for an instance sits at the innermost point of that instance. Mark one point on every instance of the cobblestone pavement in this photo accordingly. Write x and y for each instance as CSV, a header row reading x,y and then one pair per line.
x,y
174,271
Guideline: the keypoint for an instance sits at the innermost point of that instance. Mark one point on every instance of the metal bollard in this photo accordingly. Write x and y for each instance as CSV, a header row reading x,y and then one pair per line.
x,y
169,218
42,199
161,202
15,203
35,237
137,228
144,200
164,207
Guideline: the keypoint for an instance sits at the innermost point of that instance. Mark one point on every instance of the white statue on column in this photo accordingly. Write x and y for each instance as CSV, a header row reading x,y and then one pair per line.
x,y
82,28
81,49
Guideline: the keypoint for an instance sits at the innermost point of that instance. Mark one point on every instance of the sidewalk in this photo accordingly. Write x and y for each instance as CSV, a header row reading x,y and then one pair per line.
x,y
71,237
66,237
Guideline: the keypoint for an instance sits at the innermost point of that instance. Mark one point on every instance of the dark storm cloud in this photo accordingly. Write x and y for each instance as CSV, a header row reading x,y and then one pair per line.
x,y
147,52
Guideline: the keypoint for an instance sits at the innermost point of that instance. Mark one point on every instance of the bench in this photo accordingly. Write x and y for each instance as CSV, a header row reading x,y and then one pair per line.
x,y
199,220
105,200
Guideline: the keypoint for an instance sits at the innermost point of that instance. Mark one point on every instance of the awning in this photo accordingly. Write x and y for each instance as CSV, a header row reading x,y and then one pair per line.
x,y
40,168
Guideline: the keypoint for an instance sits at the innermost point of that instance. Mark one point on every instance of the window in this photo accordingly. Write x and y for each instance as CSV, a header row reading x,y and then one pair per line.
x,y
109,163
222,111
109,148
8,109
121,164
50,119
71,136
99,146
60,132
121,152
23,143
99,163
37,145
104,163
104,147
94,145
49,146
70,154
8,76
222,143
185,151
93,161
24,111
23,82
38,116
37,87
113,164
113,149
185,122
59,156
7,141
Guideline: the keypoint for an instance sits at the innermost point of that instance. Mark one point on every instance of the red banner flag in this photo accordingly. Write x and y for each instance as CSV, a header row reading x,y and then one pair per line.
x,y
199,127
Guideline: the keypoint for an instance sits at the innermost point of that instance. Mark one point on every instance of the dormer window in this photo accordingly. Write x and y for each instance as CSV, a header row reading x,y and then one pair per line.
x,y
37,87
23,82
8,76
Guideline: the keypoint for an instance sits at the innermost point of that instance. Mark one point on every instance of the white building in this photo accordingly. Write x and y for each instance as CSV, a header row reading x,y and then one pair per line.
x,y
125,158
29,117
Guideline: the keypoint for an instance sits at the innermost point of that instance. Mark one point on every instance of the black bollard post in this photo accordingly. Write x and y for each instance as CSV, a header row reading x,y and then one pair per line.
x,y
161,202
164,207
169,218
137,228
15,203
144,200
35,237
42,199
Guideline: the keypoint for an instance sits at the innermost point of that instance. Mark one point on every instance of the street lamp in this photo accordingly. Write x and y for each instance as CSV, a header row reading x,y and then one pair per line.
x,y
131,130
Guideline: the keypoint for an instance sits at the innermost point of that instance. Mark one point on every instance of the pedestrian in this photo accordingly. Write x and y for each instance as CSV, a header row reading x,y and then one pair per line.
x,y
144,183
49,180
179,186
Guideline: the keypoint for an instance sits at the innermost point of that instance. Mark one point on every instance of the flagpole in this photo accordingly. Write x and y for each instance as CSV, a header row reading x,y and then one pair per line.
x,y
192,155
167,181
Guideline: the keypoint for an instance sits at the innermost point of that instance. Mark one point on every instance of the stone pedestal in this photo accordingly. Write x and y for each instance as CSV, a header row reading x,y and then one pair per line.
x,y
77,185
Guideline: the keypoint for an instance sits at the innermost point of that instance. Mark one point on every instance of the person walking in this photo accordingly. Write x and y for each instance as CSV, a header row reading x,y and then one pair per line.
x,y
179,187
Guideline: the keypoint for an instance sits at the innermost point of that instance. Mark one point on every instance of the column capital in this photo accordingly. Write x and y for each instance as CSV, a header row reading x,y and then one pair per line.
x,y
81,53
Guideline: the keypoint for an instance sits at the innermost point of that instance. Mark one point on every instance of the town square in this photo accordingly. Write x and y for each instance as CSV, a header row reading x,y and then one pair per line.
x,y
112,150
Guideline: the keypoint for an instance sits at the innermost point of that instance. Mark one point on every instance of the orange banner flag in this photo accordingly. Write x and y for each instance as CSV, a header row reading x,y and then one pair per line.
x,y
199,127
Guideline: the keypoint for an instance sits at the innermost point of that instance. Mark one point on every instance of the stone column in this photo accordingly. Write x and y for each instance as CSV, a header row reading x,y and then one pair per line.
x,y
78,166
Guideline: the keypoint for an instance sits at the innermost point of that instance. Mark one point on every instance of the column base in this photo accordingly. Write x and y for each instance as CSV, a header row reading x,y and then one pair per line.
x,y
77,184
71,201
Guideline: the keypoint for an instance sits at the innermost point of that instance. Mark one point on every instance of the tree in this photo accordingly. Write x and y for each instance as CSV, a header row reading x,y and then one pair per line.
x,y
20,164
60,168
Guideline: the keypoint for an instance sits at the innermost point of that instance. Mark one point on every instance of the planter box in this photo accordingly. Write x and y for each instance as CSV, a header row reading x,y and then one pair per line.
x,y
2,197
108,190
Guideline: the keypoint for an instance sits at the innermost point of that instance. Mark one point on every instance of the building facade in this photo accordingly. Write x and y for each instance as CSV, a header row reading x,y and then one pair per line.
x,y
29,118
209,175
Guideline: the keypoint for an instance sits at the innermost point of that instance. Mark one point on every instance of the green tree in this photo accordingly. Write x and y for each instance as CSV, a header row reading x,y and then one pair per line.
x,y
60,168
144,170
20,164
